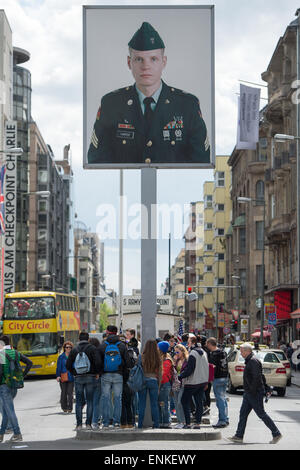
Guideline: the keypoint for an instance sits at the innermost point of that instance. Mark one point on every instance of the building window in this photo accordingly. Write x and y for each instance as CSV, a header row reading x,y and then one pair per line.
x,y
242,241
208,268
208,247
259,276
260,190
208,290
221,256
208,226
259,235
208,201
243,276
220,179
220,207
262,150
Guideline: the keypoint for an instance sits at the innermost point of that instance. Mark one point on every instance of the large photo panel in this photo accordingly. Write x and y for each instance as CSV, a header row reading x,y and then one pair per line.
x,y
148,87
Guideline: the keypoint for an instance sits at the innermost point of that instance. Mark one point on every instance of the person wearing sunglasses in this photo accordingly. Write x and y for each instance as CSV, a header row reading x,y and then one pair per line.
x,y
65,379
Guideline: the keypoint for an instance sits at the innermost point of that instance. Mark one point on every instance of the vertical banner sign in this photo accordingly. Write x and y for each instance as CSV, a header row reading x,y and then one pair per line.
x,y
10,208
239,144
249,114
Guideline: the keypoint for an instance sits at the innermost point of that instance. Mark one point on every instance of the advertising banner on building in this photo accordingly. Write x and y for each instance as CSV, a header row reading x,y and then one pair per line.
x,y
248,124
148,87
10,203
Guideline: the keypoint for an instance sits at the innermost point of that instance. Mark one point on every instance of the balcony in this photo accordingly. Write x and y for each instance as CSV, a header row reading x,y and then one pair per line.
x,y
280,228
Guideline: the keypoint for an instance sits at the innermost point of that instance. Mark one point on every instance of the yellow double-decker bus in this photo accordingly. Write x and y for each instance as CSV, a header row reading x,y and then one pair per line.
x,y
38,323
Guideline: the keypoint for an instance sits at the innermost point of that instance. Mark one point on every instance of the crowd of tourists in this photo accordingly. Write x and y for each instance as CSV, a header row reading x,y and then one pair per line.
x,y
176,375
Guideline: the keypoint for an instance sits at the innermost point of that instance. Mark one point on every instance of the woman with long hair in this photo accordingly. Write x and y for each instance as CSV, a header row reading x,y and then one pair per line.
x,y
152,367
65,379
165,388
180,362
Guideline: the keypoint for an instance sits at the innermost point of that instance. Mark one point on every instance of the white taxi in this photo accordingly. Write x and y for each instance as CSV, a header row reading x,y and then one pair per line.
x,y
273,370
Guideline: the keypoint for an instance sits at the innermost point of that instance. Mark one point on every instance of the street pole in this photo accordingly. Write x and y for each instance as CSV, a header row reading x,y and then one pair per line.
x,y
262,319
121,254
298,157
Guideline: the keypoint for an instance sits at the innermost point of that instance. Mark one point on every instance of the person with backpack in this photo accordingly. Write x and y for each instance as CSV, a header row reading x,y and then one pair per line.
x,y
115,360
127,417
11,379
151,362
218,358
84,363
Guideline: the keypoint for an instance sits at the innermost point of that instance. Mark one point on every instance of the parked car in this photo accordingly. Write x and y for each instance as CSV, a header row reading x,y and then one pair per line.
x,y
283,358
273,369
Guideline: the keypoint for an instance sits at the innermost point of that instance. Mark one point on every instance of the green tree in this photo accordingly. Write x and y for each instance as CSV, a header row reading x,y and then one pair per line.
x,y
105,311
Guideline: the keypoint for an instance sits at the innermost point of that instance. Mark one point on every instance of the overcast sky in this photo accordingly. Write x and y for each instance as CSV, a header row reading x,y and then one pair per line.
x,y
51,30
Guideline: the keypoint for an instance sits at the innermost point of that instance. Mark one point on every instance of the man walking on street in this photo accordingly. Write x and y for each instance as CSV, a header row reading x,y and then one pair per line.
x,y
85,364
254,391
218,358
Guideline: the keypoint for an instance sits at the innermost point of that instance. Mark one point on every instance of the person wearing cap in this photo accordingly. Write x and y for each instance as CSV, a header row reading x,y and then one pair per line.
x,y
165,387
150,121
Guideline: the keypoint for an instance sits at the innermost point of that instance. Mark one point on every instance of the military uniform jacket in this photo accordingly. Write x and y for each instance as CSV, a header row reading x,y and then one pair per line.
x,y
177,133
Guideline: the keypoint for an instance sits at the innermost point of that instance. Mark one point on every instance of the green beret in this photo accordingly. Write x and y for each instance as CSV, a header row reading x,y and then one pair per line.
x,y
146,39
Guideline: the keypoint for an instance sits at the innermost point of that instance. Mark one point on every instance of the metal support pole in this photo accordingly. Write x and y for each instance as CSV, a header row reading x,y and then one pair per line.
x,y
121,253
298,160
262,318
148,254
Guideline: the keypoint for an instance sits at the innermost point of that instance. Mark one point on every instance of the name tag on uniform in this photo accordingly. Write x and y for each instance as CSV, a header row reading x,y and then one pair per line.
x,y
125,134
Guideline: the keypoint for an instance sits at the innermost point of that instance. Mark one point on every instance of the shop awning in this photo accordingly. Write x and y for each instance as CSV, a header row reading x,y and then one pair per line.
x,y
257,334
295,314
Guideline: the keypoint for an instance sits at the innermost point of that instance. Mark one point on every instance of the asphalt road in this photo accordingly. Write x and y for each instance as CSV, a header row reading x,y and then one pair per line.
x,y
45,427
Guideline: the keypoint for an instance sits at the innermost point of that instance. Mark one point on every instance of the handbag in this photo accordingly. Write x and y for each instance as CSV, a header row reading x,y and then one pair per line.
x,y
64,377
211,372
176,384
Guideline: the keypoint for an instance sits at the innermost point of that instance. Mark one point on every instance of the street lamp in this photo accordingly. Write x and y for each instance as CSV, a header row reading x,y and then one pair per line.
x,y
247,200
13,151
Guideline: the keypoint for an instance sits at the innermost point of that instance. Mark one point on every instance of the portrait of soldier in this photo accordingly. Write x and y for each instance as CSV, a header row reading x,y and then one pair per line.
x,y
149,121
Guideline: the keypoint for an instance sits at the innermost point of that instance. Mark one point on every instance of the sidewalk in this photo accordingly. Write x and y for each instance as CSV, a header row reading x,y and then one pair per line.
x,y
296,378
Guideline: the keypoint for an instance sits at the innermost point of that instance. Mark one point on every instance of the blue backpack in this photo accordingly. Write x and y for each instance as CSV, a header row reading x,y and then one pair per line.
x,y
82,363
136,380
112,357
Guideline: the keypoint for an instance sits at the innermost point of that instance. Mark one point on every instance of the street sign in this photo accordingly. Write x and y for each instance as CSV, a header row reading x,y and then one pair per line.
x,y
270,313
244,322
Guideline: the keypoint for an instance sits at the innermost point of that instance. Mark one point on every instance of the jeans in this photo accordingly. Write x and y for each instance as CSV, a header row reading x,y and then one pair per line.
x,y
256,403
8,410
178,406
219,386
84,392
198,394
164,402
96,402
112,383
151,385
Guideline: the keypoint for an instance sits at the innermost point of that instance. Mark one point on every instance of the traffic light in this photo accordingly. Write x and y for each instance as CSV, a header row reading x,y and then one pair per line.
x,y
191,296
234,325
